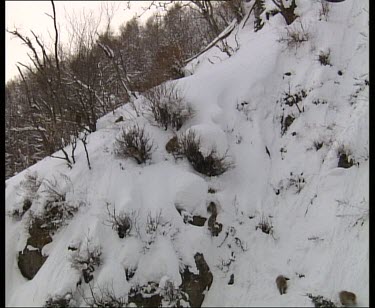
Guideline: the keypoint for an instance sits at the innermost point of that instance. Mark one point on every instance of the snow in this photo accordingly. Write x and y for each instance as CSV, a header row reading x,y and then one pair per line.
x,y
321,231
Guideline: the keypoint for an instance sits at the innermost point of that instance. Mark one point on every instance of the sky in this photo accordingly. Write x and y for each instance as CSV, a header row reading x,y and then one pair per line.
x,y
31,15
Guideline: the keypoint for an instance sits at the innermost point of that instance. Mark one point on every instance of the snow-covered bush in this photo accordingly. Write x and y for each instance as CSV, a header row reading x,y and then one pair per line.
x,y
29,187
122,223
28,190
56,214
324,10
291,99
317,144
211,165
57,210
319,101
105,297
134,143
320,301
60,301
156,225
171,296
296,182
167,106
295,36
265,225
86,258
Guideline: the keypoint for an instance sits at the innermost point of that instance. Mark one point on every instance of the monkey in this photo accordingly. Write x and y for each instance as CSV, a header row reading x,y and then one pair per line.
x,y
212,209
347,298
214,227
281,284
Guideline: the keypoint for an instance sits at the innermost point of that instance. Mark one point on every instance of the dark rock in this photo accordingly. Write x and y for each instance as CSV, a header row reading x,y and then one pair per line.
x,y
195,285
140,301
29,262
151,298
344,161
198,221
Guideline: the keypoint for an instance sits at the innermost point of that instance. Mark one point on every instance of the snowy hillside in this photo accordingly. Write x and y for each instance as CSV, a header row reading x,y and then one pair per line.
x,y
285,116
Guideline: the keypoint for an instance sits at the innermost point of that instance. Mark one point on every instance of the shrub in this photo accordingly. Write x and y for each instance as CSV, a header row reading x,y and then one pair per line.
x,y
28,189
292,99
56,214
210,165
324,58
147,295
318,102
57,211
317,144
320,301
106,297
167,106
60,301
296,181
171,296
265,225
324,10
156,225
30,184
295,36
122,223
134,143
53,190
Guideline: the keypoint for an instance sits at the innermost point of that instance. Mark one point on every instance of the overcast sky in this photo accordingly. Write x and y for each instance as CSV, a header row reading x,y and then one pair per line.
x,y
30,15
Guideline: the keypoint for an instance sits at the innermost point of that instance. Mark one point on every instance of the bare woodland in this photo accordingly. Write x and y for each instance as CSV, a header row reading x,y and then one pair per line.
x,y
58,97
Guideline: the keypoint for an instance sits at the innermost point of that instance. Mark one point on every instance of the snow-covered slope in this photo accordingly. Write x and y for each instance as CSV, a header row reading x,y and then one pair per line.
x,y
318,212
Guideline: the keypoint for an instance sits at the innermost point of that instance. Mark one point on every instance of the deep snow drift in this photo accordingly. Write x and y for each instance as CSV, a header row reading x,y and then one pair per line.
x,y
288,176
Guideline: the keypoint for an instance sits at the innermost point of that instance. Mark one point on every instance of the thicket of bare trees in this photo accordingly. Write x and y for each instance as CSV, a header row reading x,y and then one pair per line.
x,y
58,97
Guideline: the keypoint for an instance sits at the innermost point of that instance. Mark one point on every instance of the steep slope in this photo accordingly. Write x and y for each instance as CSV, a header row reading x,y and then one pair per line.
x,y
285,175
